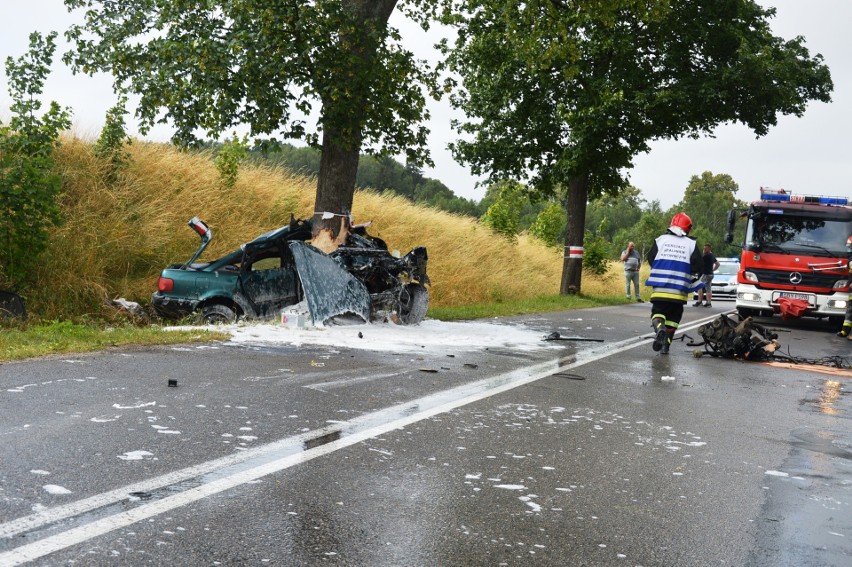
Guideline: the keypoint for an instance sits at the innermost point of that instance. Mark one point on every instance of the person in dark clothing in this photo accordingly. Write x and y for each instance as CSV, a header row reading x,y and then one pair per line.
x,y
709,264
674,257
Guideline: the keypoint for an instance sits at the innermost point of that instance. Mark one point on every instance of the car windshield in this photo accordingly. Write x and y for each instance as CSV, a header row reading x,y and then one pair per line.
x,y
728,269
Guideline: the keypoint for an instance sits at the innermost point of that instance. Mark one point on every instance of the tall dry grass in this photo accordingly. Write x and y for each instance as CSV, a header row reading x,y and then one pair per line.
x,y
117,236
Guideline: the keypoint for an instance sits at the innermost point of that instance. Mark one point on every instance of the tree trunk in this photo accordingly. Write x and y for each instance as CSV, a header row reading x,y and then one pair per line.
x,y
575,207
335,188
341,141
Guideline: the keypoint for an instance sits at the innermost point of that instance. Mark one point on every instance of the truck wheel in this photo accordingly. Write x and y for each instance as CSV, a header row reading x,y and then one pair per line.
x,y
217,314
413,304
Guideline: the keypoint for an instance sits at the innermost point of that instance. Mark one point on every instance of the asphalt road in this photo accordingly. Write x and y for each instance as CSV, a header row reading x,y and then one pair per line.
x,y
582,453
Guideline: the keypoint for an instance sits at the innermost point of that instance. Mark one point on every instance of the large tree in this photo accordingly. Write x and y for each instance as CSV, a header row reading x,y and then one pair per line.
x,y
564,94
206,67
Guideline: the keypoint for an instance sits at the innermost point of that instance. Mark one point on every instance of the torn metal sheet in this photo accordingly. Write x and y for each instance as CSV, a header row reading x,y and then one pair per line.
x,y
329,289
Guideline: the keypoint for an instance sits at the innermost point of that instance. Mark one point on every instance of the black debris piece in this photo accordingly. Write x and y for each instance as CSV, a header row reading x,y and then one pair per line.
x,y
555,336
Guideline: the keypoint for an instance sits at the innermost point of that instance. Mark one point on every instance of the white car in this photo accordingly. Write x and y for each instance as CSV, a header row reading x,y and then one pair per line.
x,y
724,284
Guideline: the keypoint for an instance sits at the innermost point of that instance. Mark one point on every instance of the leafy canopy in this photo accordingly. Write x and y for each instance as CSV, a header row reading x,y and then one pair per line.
x,y
208,67
558,89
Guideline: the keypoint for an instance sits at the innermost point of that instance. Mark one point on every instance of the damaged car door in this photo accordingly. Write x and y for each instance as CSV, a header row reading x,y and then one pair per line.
x,y
268,278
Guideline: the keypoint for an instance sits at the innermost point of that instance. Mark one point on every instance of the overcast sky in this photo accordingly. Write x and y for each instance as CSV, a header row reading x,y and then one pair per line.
x,y
808,154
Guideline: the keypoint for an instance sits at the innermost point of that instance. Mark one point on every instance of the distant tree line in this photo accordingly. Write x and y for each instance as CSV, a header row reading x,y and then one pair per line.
x,y
374,172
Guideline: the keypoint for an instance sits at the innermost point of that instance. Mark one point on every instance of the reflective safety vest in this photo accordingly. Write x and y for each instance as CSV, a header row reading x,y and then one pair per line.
x,y
671,272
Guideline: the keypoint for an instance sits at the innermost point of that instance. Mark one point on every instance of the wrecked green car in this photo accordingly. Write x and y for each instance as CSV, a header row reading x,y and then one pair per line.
x,y
279,269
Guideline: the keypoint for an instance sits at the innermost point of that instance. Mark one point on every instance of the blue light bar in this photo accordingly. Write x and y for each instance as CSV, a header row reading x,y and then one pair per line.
x,y
782,196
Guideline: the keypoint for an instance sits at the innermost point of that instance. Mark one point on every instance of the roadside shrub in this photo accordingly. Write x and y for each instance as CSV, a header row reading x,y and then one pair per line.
x,y
595,256
28,185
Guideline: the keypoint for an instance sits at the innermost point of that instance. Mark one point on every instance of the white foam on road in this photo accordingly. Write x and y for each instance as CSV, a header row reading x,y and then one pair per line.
x,y
429,336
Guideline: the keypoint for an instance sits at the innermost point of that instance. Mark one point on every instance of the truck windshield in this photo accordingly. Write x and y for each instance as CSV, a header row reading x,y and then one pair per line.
x,y
793,233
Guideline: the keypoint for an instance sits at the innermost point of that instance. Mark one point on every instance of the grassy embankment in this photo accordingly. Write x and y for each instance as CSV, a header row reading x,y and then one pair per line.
x,y
117,236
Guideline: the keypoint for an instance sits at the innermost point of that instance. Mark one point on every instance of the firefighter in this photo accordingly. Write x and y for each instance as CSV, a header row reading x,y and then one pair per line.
x,y
847,321
674,258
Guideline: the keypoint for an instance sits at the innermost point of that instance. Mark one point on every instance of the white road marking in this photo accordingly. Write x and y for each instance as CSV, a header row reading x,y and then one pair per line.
x,y
351,432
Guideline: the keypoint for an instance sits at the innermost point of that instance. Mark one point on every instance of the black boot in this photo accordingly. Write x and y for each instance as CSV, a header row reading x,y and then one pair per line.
x,y
659,325
667,341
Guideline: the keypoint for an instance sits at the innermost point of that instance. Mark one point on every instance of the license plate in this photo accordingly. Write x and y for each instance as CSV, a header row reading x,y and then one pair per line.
x,y
804,296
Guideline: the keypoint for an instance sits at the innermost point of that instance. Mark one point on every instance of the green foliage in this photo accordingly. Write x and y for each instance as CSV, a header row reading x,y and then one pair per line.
x,y
653,222
503,214
554,93
565,94
596,254
607,214
28,186
228,158
707,200
549,225
112,144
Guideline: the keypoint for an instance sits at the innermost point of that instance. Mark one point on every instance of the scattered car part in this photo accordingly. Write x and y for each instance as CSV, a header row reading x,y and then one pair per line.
x,y
555,336
743,339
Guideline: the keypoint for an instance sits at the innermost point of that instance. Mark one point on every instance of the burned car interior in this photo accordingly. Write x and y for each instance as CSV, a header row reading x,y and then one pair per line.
x,y
280,268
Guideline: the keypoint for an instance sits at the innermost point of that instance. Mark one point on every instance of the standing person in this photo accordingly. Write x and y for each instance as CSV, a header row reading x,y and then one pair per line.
x,y
709,264
674,257
632,260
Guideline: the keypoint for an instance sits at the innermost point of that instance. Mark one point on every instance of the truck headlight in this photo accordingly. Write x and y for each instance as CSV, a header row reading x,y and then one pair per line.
x,y
750,276
840,284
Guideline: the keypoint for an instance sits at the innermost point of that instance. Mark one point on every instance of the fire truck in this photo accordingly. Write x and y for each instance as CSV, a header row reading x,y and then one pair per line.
x,y
794,254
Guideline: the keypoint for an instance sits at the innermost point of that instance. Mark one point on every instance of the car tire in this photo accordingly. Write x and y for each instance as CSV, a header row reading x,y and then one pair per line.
x,y
217,314
413,304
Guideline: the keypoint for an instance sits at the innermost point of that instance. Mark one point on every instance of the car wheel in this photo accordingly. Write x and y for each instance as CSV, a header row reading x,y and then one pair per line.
x,y
413,304
217,314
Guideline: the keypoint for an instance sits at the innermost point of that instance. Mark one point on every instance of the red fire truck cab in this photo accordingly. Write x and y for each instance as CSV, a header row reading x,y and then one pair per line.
x,y
794,247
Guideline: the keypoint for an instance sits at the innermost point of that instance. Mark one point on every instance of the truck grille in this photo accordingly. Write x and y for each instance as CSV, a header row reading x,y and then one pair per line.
x,y
809,279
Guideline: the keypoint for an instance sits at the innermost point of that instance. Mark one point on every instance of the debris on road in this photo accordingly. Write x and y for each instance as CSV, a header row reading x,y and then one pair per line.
x,y
555,336
746,340
742,339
